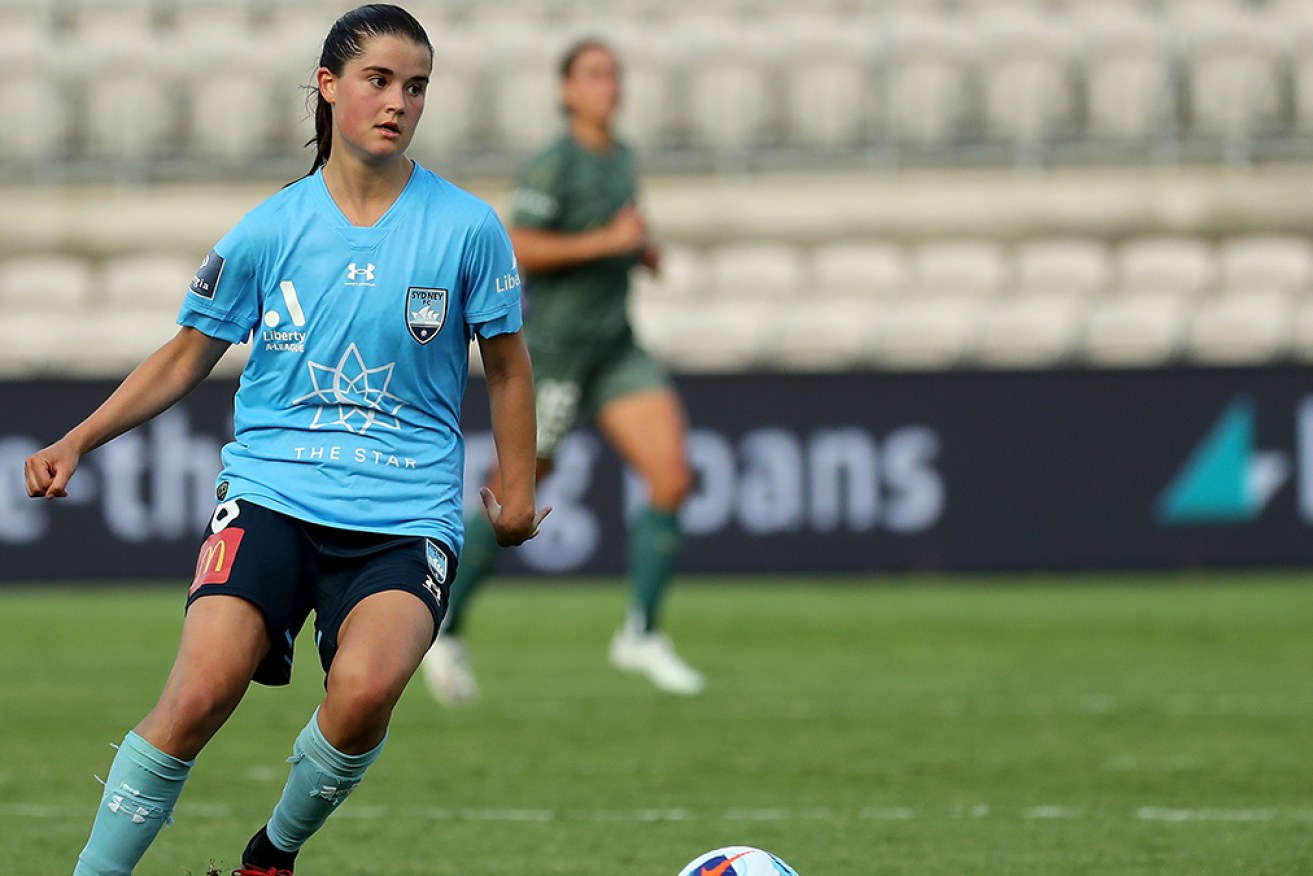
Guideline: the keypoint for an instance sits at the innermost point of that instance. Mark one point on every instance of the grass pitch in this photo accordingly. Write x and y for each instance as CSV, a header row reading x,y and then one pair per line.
x,y
1078,725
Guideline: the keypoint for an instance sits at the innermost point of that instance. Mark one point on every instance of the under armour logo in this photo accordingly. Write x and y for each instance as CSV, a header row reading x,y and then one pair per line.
x,y
354,272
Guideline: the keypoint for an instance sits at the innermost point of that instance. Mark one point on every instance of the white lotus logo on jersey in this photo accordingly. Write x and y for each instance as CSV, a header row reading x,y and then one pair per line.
x,y
352,395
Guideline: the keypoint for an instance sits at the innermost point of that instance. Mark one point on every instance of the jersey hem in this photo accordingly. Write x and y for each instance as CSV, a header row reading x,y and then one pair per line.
x,y
274,503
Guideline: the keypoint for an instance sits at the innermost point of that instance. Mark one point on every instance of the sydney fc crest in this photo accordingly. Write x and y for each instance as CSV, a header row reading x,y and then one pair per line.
x,y
426,311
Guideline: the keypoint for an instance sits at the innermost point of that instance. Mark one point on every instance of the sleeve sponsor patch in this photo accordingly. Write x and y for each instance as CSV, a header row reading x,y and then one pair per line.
x,y
206,281
535,205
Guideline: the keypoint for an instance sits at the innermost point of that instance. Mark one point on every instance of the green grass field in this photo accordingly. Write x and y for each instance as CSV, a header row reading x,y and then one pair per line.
x,y
1060,725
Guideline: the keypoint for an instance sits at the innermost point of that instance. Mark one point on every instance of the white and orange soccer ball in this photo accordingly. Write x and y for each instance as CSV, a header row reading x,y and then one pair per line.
x,y
737,861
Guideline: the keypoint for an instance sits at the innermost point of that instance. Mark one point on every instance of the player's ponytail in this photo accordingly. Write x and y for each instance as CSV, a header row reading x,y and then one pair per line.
x,y
346,40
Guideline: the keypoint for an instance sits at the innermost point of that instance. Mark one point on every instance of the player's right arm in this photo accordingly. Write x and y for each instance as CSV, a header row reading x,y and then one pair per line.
x,y
543,250
542,244
156,384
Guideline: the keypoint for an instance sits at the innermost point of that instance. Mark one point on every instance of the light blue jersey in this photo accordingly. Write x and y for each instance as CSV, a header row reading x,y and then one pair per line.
x,y
348,413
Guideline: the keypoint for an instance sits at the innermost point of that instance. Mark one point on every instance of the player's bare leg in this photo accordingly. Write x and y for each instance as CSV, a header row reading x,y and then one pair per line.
x,y
380,645
223,641
648,430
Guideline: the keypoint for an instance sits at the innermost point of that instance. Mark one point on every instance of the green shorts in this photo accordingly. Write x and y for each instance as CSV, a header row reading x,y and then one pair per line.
x,y
576,380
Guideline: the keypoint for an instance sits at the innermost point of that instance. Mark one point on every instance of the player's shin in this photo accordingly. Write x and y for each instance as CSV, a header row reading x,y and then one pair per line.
x,y
321,777
140,792
654,543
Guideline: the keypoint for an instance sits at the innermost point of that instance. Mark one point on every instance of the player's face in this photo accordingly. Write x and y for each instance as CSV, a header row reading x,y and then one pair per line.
x,y
379,98
592,90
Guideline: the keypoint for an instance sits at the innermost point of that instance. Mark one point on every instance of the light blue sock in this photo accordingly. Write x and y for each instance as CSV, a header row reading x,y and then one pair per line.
x,y
320,779
142,788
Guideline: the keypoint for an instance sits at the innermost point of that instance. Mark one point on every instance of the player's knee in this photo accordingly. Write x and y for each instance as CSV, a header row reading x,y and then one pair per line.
x,y
670,486
198,708
367,698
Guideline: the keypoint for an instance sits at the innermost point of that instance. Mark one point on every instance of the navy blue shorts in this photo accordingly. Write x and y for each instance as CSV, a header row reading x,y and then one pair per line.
x,y
288,568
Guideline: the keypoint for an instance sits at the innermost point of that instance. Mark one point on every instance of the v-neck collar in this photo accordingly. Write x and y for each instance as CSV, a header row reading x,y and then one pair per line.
x,y
398,206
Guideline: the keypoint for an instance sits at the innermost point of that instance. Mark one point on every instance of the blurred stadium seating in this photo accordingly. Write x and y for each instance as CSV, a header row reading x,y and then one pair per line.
x,y
841,183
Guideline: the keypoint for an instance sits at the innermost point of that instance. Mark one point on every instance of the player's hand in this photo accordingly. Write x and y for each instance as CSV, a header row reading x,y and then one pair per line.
x,y
47,471
627,230
511,528
651,259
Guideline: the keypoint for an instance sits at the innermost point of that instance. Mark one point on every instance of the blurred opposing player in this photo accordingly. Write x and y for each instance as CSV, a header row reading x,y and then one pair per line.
x,y
360,287
578,233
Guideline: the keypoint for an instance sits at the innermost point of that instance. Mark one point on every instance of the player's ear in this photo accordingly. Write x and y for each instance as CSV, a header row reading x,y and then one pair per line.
x,y
327,83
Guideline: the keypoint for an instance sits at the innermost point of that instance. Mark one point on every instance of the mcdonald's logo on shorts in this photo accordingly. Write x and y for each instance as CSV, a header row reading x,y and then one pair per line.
x,y
216,559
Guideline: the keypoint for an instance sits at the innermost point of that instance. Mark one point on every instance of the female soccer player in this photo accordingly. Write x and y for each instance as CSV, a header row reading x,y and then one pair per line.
x,y
577,234
359,288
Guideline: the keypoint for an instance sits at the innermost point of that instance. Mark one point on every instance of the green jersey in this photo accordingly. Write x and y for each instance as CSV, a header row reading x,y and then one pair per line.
x,y
569,190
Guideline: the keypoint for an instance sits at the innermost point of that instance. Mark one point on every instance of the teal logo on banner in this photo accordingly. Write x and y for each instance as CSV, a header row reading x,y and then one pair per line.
x,y
1225,480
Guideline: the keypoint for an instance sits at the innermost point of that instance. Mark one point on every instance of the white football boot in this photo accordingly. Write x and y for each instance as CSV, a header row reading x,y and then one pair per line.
x,y
447,672
651,655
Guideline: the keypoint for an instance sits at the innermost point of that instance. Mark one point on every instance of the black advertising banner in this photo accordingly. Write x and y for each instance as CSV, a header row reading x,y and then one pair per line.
x,y
841,472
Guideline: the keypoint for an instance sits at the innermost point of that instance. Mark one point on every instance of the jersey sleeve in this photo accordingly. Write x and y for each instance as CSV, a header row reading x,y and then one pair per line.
x,y
536,202
491,281
222,299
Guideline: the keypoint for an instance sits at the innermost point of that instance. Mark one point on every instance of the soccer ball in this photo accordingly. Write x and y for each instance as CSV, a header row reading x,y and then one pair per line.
x,y
737,861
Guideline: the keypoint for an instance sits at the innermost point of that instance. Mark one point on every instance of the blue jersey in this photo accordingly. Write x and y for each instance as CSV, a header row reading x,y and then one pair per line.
x,y
348,412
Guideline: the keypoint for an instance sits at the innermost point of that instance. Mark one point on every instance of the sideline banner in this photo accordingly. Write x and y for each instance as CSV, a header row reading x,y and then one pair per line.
x,y
794,473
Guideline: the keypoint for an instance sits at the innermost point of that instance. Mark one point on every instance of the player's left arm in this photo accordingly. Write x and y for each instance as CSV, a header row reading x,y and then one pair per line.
x,y
514,514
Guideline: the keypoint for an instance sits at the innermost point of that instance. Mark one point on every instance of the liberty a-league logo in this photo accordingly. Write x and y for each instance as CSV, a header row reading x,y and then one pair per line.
x,y
426,311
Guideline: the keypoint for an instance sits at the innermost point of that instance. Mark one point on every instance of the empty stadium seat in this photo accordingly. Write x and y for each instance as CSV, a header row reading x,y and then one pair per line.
x,y
156,281
720,336
756,271
1127,72
1166,264
729,94
232,108
1233,59
110,21
25,347
525,101
935,332
650,60
830,335
928,60
1246,327
45,284
1298,25
959,267
1074,265
35,84
828,76
849,269
24,20
1025,75
1143,329
1031,331
1267,262
109,345
213,20
132,104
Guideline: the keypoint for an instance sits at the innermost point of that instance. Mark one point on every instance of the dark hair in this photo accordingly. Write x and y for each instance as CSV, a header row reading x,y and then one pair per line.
x,y
346,40
566,67
572,54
